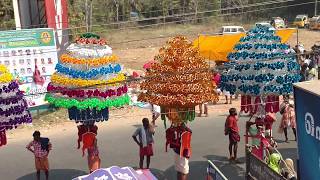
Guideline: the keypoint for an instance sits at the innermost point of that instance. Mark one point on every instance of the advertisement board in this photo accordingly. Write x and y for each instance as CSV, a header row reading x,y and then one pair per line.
x,y
31,56
307,103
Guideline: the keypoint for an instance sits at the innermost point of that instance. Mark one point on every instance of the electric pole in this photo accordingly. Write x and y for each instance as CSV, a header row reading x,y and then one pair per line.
x,y
315,7
88,9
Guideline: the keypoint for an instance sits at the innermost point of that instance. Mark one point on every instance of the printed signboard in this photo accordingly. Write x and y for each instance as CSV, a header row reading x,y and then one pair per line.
x,y
307,103
31,56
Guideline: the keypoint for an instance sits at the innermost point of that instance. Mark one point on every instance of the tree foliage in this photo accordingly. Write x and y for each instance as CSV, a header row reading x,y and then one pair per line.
x,y
109,11
6,14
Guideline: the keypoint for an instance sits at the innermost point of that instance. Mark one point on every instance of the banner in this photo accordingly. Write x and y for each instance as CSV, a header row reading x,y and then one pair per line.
x,y
31,56
213,173
307,103
218,47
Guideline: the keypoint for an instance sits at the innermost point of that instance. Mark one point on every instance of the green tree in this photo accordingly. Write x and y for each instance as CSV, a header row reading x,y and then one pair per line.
x,y
6,15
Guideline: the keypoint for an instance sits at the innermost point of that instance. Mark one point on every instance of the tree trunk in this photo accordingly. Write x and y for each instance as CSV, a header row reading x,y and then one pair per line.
x,y
87,15
196,11
90,18
117,6
117,9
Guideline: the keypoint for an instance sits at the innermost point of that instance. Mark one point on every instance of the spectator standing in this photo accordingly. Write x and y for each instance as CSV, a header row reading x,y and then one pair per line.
x,y
145,141
232,129
40,147
288,120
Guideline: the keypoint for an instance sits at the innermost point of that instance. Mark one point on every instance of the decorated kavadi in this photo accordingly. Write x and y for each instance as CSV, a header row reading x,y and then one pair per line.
x,y
179,80
261,69
87,80
13,106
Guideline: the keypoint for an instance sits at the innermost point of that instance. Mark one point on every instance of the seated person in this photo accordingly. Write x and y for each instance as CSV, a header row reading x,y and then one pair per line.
x,y
288,170
274,161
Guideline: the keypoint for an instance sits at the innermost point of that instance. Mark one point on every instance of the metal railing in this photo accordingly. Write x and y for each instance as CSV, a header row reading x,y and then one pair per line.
x,y
214,173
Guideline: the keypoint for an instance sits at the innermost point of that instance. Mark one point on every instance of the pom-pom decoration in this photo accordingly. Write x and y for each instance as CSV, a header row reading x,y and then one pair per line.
x,y
5,75
88,81
178,80
261,67
13,107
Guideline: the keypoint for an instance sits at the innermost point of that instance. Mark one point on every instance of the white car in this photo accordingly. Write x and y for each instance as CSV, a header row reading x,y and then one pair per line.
x,y
232,30
267,24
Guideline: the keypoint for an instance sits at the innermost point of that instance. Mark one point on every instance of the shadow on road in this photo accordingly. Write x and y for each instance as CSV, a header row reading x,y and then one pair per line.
x,y
280,141
56,174
198,170
137,125
229,169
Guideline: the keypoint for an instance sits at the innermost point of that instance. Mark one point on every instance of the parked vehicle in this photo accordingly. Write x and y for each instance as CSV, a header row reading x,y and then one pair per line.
x,y
314,23
134,16
232,30
278,22
267,24
302,21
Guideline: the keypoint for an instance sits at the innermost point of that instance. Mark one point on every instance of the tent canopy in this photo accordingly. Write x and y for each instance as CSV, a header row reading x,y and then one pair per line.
x,y
217,47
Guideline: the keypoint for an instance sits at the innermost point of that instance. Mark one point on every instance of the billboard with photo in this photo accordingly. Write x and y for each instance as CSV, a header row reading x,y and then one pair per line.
x,y
31,56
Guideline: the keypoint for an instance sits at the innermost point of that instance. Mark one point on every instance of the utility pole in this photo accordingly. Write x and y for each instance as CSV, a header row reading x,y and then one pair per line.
x,y
87,21
315,7
88,9
117,9
90,18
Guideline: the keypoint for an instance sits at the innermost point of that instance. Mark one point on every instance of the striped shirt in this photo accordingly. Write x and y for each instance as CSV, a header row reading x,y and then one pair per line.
x,y
38,151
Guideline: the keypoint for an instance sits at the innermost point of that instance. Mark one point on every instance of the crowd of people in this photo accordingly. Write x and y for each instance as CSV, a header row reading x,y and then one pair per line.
x,y
263,145
309,62
260,130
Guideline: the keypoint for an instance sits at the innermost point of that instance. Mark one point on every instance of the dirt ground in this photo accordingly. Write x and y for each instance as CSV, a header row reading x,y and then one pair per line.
x,y
135,53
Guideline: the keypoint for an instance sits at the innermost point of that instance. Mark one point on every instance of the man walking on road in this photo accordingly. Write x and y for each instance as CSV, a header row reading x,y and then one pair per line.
x,y
41,147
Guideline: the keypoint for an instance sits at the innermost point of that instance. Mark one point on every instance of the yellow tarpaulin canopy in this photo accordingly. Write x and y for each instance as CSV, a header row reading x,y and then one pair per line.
x,y
218,47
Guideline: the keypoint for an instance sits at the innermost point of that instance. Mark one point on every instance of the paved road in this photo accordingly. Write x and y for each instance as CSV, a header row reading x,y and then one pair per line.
x,y
117,148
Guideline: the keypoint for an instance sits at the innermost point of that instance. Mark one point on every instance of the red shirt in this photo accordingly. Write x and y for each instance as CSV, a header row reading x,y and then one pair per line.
x,y
217,79
268,121
232,123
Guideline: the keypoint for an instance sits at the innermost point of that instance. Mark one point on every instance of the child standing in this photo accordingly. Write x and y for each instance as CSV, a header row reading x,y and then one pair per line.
x,y
41,147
